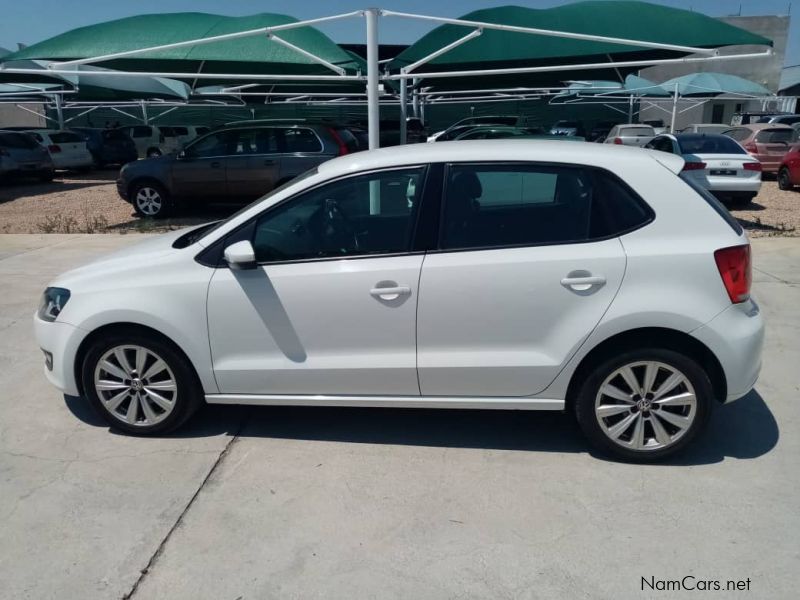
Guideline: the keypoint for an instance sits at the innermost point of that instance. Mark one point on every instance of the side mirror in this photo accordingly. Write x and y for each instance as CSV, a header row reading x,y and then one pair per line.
x,y
240,256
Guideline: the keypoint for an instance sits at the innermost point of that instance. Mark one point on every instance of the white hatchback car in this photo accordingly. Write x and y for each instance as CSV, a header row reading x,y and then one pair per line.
x,y
67,149
531,275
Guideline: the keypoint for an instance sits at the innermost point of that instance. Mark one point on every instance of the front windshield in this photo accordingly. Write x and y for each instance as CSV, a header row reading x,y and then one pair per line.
x,y
202,232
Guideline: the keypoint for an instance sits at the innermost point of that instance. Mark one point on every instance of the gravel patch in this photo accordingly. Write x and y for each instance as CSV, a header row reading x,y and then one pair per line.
x,y
88,203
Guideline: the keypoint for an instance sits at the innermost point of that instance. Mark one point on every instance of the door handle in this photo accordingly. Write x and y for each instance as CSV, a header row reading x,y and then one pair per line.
x,y
216,165
390,293
581,281
269,162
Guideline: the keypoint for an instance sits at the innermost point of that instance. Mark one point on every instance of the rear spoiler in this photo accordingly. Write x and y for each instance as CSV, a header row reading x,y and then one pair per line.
x,y
670,161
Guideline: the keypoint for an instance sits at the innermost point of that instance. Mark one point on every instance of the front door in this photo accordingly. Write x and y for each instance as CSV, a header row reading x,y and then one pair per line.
x,y
518,284
331,308
200,170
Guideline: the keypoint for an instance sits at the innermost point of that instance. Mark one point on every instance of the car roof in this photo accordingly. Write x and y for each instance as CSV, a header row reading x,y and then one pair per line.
x,y
758,126
506,150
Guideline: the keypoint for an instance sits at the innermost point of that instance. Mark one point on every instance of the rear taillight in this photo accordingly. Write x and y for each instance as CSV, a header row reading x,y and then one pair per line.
x,y
618,141
339,141
751,147
736,271
694,166
53,148
752,166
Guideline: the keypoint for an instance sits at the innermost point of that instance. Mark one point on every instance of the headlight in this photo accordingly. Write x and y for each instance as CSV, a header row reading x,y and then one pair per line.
x,y
53,301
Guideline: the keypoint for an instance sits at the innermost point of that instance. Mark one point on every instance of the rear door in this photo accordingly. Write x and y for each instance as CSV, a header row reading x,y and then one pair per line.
x,y
527,264
253,166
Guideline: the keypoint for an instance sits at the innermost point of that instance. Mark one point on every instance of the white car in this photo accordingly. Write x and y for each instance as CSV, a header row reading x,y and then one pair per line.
x,y
67,149
630,134
151,141
508,274
184,134
716,162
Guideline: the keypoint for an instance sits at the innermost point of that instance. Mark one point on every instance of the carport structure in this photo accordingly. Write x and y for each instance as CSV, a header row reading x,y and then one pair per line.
x,y
488,55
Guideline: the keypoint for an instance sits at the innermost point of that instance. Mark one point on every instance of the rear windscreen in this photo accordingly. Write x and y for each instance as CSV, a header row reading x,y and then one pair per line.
x,y
774,136
65,137
709,144
17,140
636,131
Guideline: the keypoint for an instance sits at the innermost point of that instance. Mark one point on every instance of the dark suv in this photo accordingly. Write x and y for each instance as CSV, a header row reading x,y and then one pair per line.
x,y
235,163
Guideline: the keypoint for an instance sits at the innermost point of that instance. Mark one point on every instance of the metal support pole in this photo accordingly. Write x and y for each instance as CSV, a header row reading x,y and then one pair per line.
x,y
59,110
373,108
630,108
145,118
674,110
403,110
415,97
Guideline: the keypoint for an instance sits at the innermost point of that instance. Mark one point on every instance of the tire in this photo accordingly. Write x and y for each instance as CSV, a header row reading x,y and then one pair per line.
x,y
150,199
665,429
129,404
47,176
785,179
153,153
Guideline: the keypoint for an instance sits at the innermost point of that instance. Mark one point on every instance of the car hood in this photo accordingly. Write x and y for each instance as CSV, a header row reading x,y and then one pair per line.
x,y
144,254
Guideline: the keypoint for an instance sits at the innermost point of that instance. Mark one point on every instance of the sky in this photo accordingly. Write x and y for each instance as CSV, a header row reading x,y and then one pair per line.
x,y
30,21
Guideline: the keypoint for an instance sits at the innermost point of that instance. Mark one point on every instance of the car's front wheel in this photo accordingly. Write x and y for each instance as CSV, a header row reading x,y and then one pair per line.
x,y
785,179
140,384
151,200
645,404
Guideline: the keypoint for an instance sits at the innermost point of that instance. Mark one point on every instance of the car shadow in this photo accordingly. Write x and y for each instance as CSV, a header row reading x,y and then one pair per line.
x,y
744,429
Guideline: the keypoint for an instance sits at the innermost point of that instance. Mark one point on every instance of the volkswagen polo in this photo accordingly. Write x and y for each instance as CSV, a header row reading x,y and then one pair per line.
x,y
507,274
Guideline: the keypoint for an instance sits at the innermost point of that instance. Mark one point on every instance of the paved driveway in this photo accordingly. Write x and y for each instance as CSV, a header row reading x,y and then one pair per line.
x,y
383,503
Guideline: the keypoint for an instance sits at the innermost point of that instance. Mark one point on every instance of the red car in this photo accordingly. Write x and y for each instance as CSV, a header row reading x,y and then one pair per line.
x,y
789,171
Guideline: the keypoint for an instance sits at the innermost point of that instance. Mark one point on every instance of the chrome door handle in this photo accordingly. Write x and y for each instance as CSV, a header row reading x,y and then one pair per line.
x,y
389,293
591,280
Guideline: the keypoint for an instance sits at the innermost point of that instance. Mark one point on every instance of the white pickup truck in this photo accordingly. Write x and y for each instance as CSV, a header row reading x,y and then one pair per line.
x,y
631,134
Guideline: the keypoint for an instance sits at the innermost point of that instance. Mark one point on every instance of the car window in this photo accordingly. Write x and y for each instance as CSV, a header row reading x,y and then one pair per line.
x,y
739,134
636,131
663,144
365,214
17,140
301,139
708,144
141,131
65,137
216,144
490,206
36,136
180,131
774,136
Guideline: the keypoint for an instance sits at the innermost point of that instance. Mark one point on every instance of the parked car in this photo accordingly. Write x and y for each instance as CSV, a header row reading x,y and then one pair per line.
x,y
506,120
67,149
425,276
183,134
108,146
748,118
566,127
782,119
630,134
152,141
705,128
715,162
494,132
454,132
789,170
764,141
238,163
600,131
657,125
22,155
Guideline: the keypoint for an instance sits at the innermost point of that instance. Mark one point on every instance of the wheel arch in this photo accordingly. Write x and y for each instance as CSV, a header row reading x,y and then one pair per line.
x,y
111,328
143,179
650,337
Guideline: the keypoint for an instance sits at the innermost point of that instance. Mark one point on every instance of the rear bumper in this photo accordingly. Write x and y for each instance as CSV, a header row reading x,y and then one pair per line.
x,y
73,162
61,340
736,337
734,184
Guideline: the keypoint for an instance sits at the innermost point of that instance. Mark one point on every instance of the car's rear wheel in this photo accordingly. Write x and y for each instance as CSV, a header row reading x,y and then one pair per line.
x,y
140,384
645,404
785,179
151,200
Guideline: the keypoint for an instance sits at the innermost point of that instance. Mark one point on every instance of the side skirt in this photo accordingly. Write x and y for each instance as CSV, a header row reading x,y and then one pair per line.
x,y
388,401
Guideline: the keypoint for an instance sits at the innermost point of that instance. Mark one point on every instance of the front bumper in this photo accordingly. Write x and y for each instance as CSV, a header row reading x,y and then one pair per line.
x,y
736,337
61,341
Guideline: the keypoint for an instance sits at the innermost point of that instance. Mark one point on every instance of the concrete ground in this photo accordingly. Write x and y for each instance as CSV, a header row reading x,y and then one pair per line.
x,y
370,503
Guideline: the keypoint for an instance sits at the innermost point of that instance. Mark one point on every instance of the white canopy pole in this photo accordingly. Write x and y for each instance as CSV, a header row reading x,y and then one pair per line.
x,y
403,111
373,108
674,110
59,110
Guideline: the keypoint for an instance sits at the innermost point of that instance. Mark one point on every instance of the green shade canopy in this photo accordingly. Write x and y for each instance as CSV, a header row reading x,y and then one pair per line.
x,y
254,54
713,84
621,19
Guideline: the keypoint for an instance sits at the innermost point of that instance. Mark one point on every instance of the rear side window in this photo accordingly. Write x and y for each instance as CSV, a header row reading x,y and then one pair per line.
x,y
17,140
714,203
301,139
738,134
490,206
709,144
65,137
774,136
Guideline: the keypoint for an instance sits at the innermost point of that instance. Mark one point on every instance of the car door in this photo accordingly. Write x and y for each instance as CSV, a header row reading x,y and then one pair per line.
x,y
199,171
331,307
526,268
253,165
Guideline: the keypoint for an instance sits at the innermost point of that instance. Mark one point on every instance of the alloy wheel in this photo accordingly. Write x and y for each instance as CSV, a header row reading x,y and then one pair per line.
x,y
135,385
149,200
646,406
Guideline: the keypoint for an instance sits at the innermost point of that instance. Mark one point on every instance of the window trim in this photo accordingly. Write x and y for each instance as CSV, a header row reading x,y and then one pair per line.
x,y
636,197
217,249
